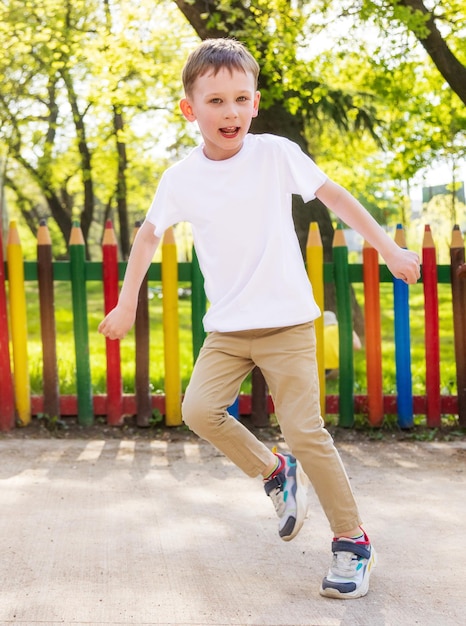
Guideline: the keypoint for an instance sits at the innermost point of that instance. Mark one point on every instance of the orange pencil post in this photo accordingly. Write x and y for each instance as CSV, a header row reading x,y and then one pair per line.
x,y
372,327
47,321
110,279
432,340
18,325
315,271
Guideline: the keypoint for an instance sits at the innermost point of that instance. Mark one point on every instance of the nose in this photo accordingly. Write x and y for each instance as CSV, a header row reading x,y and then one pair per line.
x,y
231,112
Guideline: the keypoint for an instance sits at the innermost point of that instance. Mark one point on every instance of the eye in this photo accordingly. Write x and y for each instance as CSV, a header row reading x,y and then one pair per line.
x,y
215,100
242,99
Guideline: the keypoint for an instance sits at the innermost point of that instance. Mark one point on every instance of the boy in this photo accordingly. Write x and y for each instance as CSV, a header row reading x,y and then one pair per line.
x,y
235,189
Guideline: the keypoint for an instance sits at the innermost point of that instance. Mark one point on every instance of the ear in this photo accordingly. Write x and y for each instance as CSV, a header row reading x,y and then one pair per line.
x,y
187,110
257,98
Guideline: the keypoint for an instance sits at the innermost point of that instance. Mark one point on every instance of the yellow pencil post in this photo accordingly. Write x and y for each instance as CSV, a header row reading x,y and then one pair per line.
x,y
18,325
315,271
171,330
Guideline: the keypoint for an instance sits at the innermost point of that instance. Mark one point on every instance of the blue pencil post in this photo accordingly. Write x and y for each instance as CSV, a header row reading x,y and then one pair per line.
x,y
234,408
402,344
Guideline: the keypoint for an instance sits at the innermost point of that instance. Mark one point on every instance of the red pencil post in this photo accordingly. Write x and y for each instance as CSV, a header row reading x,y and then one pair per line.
x,y
7,394
432,340
110,279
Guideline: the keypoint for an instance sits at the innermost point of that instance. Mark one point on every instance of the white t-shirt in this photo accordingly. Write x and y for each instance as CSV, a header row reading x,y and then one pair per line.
x,y
243,231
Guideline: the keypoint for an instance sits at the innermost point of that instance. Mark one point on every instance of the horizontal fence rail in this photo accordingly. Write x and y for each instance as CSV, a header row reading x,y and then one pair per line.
x,y
18,405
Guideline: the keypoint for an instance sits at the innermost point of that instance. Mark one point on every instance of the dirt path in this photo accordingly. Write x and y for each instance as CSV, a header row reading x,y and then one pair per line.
x,y
144,530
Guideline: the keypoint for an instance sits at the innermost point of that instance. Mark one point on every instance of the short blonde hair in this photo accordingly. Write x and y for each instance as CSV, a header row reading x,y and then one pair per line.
x,y
216,54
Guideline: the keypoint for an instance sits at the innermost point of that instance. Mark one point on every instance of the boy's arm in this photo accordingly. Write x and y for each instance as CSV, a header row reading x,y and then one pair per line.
x,y
119,321
403,264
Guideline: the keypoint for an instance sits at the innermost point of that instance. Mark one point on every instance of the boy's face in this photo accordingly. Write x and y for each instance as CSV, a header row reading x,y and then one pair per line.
x,y
223,106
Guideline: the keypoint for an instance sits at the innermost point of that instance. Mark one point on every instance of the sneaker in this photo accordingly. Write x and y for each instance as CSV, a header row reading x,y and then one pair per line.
x,y
288,492
348,576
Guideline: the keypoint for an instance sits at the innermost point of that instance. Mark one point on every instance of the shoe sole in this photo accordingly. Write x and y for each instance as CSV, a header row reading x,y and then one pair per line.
x,y
302,502
357,593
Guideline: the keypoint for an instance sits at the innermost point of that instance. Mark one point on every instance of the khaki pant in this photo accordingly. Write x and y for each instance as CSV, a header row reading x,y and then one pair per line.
x,y
286,357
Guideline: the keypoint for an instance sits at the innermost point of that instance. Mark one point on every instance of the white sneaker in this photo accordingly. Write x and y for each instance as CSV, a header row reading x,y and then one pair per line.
x,y
349,574
288,492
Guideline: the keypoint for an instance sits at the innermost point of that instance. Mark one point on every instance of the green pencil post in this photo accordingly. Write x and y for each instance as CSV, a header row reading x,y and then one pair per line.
x,y
345,326
80,325
198,304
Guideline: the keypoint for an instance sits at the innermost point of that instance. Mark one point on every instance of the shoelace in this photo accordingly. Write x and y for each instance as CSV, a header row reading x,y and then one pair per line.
x,y
344,564
278,500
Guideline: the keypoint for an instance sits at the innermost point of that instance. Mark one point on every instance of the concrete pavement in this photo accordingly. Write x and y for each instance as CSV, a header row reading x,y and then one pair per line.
x,y
148,532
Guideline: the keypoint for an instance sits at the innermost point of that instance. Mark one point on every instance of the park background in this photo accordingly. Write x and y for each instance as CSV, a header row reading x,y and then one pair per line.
x,y
374,92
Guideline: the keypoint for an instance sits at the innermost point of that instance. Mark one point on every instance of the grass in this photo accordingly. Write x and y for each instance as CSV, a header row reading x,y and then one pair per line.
x,y
417,329
66,347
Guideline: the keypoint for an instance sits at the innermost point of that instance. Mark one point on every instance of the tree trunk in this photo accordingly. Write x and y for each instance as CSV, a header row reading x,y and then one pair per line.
x,y
87,212
59,211
121,191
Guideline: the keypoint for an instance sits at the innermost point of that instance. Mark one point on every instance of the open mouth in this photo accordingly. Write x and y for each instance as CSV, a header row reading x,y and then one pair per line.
x,y
230,131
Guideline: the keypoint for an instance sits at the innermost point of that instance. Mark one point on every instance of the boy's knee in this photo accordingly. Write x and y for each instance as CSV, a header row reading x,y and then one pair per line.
x,y
194,413
200,416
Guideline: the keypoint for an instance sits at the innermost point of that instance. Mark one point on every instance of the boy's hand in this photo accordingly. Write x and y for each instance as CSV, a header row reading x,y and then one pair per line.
x,y
117,323
405,265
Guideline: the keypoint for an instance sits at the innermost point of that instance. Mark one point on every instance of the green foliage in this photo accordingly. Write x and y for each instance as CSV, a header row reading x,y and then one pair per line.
x,y
417,329
367,49
440,213
52,422
350,79
66,347
66,69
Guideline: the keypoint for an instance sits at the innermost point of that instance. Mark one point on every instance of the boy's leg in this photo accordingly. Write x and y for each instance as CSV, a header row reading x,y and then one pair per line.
x,y
287,360
222,364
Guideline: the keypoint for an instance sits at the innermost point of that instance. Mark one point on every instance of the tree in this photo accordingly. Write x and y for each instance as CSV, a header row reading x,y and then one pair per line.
x,y
75,77
423,23
34,78
84,82
279,31
298,94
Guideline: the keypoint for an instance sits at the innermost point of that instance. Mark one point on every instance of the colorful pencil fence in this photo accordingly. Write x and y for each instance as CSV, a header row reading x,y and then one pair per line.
x,y
171,330
373,333
47,321
16,401
345,324
315,271
142,337
81,329
402,344
110,286
431,322
7,394
18,322
458,288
